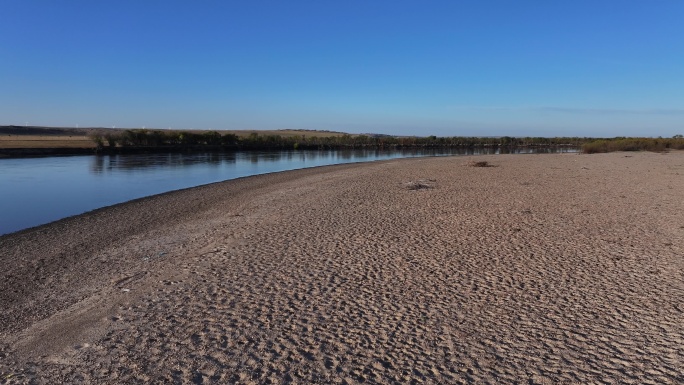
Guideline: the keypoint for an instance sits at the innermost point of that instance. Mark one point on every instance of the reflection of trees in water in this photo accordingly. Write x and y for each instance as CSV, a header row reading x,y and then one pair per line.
x,y
105,163
263,156
97,164
100,164
536,150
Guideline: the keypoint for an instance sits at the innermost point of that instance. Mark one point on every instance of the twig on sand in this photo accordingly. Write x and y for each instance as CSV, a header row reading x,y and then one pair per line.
x,y
482,163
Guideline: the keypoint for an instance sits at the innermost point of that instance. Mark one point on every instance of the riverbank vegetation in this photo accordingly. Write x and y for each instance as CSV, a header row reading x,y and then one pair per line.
x,y
158,139
633,144
255,141
32,141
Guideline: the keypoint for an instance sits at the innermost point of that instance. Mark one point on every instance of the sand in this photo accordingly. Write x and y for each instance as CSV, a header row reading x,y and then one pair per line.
x,y
544,269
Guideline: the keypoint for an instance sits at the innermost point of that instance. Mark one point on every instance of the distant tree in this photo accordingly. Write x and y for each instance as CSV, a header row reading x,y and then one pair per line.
x,y
111,140
229,139
99,140
212,138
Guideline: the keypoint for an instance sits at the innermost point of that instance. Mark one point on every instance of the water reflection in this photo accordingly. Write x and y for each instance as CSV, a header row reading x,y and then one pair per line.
x,y
101,164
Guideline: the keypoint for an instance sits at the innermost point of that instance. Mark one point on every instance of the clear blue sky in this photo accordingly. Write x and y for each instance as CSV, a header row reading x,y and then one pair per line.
x,y
446,68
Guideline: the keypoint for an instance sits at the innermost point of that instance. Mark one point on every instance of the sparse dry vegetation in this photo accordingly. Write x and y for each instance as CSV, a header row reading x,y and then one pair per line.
x,y
633,144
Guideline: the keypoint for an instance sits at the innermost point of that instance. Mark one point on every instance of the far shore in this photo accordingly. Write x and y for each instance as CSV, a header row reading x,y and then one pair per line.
x,y
17,141
555,268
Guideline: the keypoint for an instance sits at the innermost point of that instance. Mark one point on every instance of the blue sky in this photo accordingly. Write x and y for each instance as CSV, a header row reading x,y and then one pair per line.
x,y
446,68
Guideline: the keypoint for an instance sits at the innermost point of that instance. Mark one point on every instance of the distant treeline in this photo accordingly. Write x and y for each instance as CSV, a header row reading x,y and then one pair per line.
x,y
160,140
141,138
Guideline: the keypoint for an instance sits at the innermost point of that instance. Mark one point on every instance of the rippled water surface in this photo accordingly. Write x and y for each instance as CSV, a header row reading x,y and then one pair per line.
x,y
34,191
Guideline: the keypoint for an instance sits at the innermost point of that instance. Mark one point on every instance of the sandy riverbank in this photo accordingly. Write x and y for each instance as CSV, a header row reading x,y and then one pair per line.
x,y
544,269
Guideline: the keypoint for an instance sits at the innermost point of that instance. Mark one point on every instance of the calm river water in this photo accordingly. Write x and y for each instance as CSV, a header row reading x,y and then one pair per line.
x,y
35,191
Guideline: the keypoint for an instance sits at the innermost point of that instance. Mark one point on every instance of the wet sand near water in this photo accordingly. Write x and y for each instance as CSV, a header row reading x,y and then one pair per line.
x,y
543,269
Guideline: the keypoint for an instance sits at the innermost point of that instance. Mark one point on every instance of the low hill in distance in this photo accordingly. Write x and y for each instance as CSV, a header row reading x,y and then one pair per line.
x,y
85,131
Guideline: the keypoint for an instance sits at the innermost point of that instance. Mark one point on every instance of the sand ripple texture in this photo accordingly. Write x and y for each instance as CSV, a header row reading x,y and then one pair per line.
x,y
543,269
